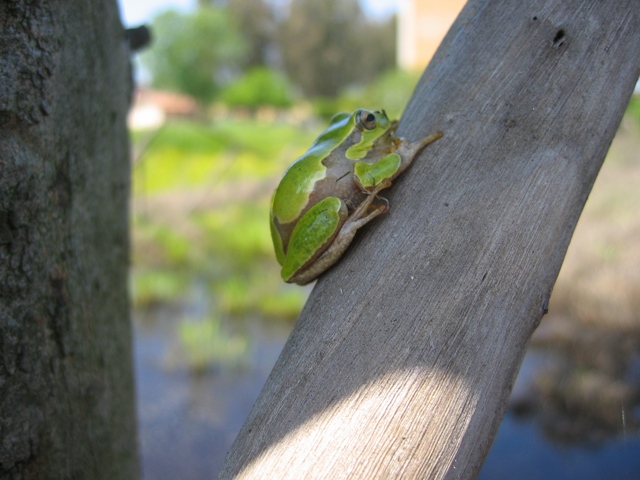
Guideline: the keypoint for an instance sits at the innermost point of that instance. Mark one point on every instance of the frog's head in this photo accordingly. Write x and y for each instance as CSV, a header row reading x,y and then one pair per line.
x,y
369,126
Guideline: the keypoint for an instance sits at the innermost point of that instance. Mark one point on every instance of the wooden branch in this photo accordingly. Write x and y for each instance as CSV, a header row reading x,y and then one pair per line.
x,y
402,362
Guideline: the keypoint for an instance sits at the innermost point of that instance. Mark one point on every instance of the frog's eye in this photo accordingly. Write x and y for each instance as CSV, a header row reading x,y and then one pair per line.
x,y
367,120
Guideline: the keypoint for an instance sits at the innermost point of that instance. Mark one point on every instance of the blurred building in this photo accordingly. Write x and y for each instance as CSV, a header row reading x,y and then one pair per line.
x,y
422,24
151,108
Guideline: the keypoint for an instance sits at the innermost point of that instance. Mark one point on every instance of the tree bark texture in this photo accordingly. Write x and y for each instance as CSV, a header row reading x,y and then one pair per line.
x,y
67,405
403,359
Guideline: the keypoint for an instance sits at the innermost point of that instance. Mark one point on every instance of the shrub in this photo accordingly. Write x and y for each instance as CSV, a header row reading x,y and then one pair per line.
x,y
257,88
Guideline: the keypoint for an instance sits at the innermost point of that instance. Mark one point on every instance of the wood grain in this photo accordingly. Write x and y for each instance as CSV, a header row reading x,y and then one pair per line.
x,y
403,359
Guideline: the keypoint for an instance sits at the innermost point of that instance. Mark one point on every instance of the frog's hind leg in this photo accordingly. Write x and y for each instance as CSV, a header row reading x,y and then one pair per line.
x,y
363,214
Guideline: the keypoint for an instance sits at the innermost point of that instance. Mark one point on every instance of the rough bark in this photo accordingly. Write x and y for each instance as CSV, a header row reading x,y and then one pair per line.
x,y
66,383
402,361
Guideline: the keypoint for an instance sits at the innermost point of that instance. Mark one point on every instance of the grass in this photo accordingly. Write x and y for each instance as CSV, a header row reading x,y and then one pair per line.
x,y
184,155
200,210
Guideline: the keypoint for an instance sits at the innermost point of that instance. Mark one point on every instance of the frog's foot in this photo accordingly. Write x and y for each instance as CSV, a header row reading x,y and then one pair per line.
x,y
410,149
384,205
363,214
373,189
431,138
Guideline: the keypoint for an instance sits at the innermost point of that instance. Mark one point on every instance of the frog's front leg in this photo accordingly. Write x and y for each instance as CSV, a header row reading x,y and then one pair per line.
x,y
409,150
362,215
370,176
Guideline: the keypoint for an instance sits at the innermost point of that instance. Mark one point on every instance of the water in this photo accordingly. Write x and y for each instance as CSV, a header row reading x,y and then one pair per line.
x,y
187,421
521,452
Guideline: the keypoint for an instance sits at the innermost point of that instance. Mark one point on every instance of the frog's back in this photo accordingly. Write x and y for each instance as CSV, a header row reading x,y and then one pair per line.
x,y
298,182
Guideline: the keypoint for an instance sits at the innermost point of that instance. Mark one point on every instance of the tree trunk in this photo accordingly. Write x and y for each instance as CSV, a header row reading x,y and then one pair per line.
x,y
66,384
403,359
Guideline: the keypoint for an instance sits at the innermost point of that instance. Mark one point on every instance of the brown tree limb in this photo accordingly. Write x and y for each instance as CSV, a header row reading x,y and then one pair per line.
x,y
403,359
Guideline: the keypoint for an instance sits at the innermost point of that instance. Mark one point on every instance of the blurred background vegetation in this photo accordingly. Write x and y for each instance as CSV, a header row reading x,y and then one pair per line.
x,y
252,54
231,92
256,84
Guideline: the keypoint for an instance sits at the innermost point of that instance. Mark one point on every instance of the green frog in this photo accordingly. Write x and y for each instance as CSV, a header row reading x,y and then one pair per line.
x,y
332,190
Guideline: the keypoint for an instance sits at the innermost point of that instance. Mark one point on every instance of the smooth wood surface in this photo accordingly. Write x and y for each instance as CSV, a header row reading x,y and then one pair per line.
x,y
402,362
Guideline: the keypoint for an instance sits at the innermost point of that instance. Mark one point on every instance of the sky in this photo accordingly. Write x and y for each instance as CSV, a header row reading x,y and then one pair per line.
x,y
136,12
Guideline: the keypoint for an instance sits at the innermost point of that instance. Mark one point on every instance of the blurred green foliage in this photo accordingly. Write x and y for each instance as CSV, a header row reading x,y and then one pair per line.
x,y
157,286
194,53
321,48
633,109
391,92
329,45
259,87
205,343
190,154
201,203
256,21
249,239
